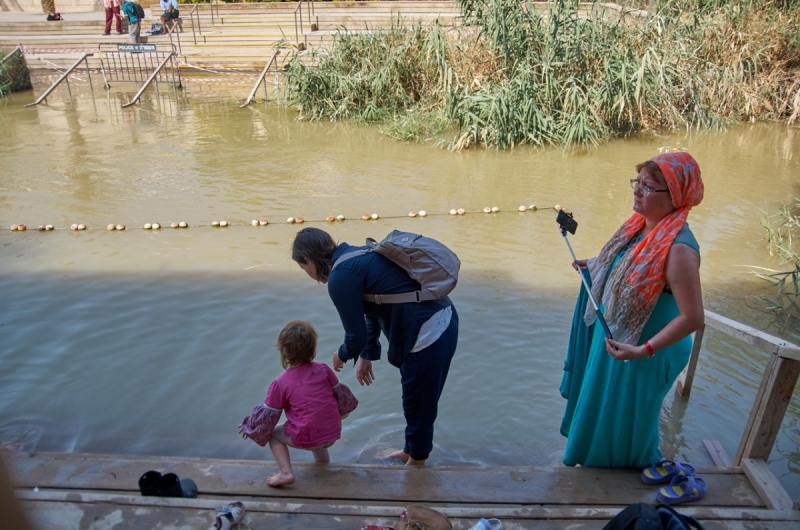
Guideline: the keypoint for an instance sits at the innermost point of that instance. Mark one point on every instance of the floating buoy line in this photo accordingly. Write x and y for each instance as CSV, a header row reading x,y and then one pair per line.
x,y
118,227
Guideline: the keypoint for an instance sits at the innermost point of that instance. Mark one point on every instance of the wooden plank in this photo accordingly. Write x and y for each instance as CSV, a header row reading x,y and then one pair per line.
x,y
70,515
772,400
717,453
750,335
501,485
686,379
386,511
765,483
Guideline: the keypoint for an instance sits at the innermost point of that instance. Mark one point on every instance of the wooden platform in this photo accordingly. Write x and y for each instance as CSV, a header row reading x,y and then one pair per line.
x,y
100,491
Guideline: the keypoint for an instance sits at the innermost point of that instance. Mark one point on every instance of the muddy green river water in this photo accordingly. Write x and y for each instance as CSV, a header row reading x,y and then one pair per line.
x,y
160,342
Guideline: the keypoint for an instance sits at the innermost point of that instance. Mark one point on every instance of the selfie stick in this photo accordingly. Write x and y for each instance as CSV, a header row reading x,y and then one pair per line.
x,y
574,225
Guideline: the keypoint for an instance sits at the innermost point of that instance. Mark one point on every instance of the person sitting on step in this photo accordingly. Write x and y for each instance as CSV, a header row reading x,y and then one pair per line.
x,y
170,12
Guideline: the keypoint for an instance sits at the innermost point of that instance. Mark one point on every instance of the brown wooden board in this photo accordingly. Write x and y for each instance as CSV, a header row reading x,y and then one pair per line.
x,y
727,487
114,514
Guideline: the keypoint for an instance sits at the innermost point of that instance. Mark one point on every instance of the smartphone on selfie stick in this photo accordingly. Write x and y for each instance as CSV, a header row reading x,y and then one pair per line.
x,y
568,224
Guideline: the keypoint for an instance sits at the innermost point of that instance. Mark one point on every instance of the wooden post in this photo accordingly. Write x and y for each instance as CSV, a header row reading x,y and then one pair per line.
x,y
686,378
772,399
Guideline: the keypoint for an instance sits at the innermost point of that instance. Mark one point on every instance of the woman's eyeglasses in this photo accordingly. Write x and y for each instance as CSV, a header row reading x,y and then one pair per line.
x,y
646,190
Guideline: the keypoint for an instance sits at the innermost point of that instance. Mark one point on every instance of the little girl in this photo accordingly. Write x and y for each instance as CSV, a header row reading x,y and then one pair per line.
x,y
314,400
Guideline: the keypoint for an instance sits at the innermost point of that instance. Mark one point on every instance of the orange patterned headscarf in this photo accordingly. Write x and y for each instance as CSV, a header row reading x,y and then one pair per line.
x,y
630,291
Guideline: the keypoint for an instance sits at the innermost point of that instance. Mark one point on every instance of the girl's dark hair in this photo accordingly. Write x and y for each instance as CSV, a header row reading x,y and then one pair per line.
x,y
316,246
297,343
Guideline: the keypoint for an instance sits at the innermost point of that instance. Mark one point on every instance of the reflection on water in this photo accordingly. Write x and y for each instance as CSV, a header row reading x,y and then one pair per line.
x,y
160,342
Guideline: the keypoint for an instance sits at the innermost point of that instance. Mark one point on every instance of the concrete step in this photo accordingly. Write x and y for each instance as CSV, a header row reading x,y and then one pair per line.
x,y
48,61
290,7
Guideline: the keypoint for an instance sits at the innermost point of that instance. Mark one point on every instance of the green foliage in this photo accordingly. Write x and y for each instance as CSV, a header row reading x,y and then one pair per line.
x,y
783,231
562,73
14,74
375,77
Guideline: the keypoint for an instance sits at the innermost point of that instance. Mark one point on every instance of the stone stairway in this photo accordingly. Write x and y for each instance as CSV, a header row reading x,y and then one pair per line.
x,y
242,36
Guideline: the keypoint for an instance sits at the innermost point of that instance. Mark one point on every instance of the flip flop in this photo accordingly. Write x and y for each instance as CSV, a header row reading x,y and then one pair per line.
x,y
682,489
665,470
229,516
488,524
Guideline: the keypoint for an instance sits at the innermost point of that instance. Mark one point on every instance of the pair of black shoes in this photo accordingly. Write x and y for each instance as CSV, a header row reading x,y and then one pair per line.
x,y
155,484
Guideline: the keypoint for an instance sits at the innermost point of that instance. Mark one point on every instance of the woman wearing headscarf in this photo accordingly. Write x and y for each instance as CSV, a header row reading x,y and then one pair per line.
x,y
646,280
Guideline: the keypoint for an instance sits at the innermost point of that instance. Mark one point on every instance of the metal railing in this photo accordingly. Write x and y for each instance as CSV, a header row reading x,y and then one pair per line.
x,y
214,7
17,49
138,63
65,77
150,79
298,21
261,78
132,62
177,36
192,15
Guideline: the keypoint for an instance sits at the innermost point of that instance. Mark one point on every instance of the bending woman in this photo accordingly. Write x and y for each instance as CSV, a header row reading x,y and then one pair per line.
x,y
422,335
647,280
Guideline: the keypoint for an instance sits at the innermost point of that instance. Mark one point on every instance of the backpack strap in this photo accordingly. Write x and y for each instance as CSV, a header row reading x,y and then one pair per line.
x,y
670,518
639,515
401,298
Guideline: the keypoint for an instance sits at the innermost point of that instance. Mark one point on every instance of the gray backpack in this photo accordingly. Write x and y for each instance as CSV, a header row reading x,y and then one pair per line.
x,y
434,266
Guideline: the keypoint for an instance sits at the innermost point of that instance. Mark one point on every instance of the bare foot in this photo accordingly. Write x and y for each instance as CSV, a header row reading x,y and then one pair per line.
x,y
399,455
412,462
279,479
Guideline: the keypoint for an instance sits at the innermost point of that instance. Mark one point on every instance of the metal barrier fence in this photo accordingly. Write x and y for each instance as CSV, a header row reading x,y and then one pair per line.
x,y
139,63
135,63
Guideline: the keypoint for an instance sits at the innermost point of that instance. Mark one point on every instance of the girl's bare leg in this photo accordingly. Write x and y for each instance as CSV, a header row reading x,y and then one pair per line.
x,y
321,455
281,454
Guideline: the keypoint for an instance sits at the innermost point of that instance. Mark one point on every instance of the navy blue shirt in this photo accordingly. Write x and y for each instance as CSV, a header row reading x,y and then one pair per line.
x,y
363,321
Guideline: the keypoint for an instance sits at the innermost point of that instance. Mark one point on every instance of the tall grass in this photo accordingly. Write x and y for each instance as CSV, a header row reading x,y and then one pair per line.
x,y
562,74
14,74
783,231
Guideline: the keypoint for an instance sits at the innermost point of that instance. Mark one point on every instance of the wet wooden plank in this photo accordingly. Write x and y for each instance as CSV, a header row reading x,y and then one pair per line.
x,y
751,335
717,453
727,487
337,509
113,512
765,483
772,400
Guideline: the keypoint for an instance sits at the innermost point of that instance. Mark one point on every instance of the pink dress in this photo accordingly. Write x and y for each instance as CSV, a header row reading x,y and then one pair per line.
x,y
314,402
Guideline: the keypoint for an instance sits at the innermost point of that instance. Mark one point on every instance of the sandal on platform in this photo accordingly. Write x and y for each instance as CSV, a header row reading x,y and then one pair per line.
x,y
666,470
488,524
682,489
229,516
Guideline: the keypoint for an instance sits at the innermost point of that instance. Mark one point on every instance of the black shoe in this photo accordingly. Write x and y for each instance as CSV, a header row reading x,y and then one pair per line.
x,y
148,483
170,486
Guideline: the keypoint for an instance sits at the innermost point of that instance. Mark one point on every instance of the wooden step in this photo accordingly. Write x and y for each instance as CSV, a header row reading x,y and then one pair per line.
x,y
72,489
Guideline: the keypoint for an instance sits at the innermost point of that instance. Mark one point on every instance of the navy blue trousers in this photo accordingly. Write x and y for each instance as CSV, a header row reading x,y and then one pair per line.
x,y
423,375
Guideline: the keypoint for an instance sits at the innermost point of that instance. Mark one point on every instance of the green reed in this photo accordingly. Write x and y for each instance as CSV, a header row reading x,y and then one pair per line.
x,y
561,74
14,73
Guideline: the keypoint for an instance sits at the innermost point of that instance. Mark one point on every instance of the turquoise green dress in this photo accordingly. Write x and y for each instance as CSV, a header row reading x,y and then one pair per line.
x,y
613,407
